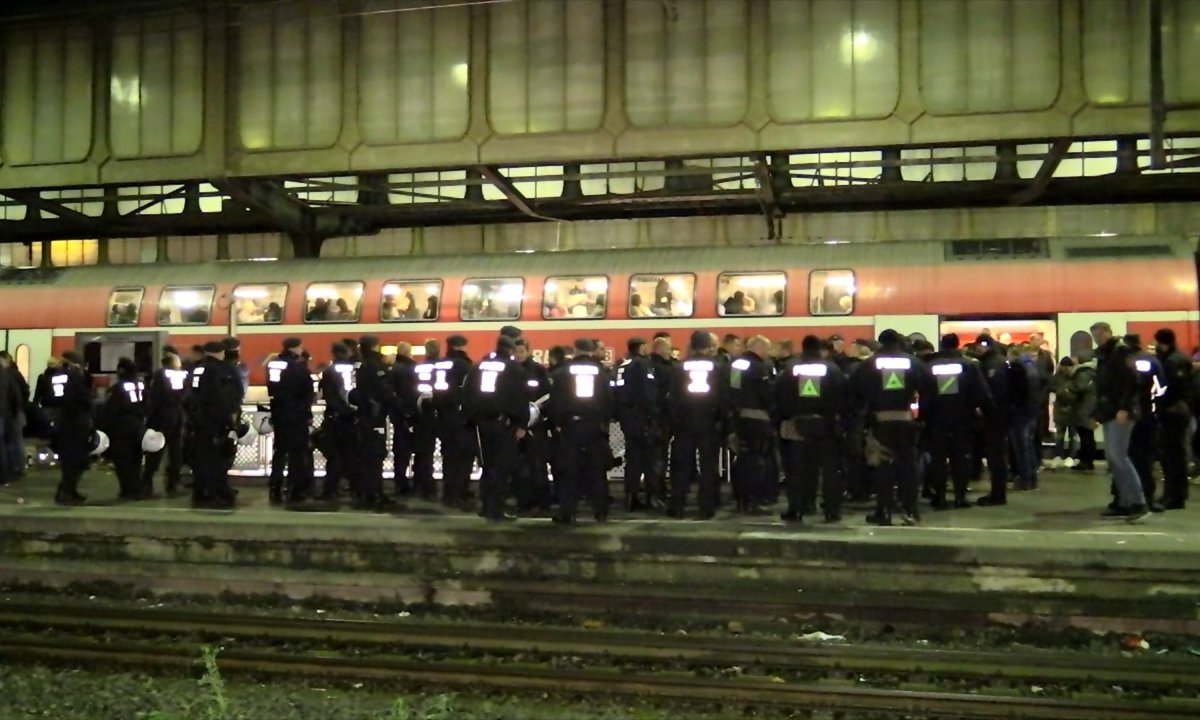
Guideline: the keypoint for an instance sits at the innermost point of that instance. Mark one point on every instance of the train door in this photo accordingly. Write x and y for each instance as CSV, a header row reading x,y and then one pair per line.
x,y
30,350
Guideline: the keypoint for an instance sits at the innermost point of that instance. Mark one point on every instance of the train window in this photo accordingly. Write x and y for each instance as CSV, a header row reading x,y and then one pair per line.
x,y
492,299
575,296
330,302
670,295
760,293
411,300
260,304
831,292
189,305
123,306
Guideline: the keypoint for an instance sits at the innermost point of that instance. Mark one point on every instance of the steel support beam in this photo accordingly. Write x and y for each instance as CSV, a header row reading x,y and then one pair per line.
x,y
767,199
305,226
503,184
1158,100
34,200
1044,174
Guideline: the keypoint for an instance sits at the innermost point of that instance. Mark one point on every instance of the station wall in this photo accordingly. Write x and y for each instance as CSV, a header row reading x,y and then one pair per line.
x,y
350,85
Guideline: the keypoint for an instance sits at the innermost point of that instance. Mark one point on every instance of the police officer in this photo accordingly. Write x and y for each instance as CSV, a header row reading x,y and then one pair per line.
x,y
812,395
290,387
337,439
69,394
458,442
1143,446
886,386
403,380
700,411
494,402
636,395
124,419
663,362
580,407
164,413
212,413
1174,417
750,379
423,420
994,365
375,399
531,483
955,394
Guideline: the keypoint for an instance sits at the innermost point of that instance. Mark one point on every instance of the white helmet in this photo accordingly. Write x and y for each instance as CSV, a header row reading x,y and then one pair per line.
x,y
262,423
247,435
99,442
153,441
534,414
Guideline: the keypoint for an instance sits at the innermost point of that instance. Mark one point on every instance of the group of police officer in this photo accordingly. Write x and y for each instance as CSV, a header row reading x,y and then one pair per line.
x,y
894,421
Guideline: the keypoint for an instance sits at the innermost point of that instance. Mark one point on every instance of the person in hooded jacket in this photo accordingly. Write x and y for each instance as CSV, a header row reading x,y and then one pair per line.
x,y
1175,415
1083,387
994,365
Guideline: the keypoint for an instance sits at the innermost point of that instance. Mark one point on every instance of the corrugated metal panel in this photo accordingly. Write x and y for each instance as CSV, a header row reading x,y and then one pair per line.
x,y
47,94
156,86
413,72
290,79
546,66
685,62
1116,53
833,59
981,56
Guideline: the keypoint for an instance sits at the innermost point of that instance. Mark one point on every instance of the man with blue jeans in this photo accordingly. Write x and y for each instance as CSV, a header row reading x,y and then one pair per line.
x,y
1025,392
1117,410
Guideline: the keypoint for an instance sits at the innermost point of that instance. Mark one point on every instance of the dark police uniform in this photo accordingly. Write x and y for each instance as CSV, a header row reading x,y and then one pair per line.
x,y
424,426
124,416
494,402
700,411
212,412
636,395
337,437
458,442
1174,417
531,479
955,391
164,413
660,438
404,383
375,399
1143,445
69,394
813,397
580,407
750,380
291,390
996,424
887,385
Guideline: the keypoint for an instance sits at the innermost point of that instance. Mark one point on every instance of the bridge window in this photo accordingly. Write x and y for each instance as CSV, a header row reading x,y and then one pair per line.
x,y
191,305
831,292
330,302
492,299
578,297
260,304
123,306
672,295
411,300
763,293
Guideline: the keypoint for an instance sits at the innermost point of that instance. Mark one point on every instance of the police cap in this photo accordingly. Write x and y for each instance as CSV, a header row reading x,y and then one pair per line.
x,y
368,343
73,357
231,343
585,345
340,350
1134,341
701,340
213,346
1166,336
889,337
350,343
456,341
291,343
511,331
950,341
810,344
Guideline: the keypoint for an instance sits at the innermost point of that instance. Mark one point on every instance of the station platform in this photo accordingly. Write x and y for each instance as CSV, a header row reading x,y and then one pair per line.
x,y
1047,557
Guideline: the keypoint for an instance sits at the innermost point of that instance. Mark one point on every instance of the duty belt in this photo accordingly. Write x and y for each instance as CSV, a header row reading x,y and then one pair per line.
x,y
894,416
754,414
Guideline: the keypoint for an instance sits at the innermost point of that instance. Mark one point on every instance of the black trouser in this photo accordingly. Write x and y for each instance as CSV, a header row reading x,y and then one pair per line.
x,y
125,449
1172,437
497,456
854,464
899,437
639,456
292,454
531,484
458,456
583,462
1142,447
209,473
173,449
424,443
339,443
372,450
402,453
660,454
809,460
749,472
949,442
689,446
995,434
1087,447
72,442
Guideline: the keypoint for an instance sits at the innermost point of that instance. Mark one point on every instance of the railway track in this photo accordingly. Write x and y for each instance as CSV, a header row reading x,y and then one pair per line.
x,y
900,679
